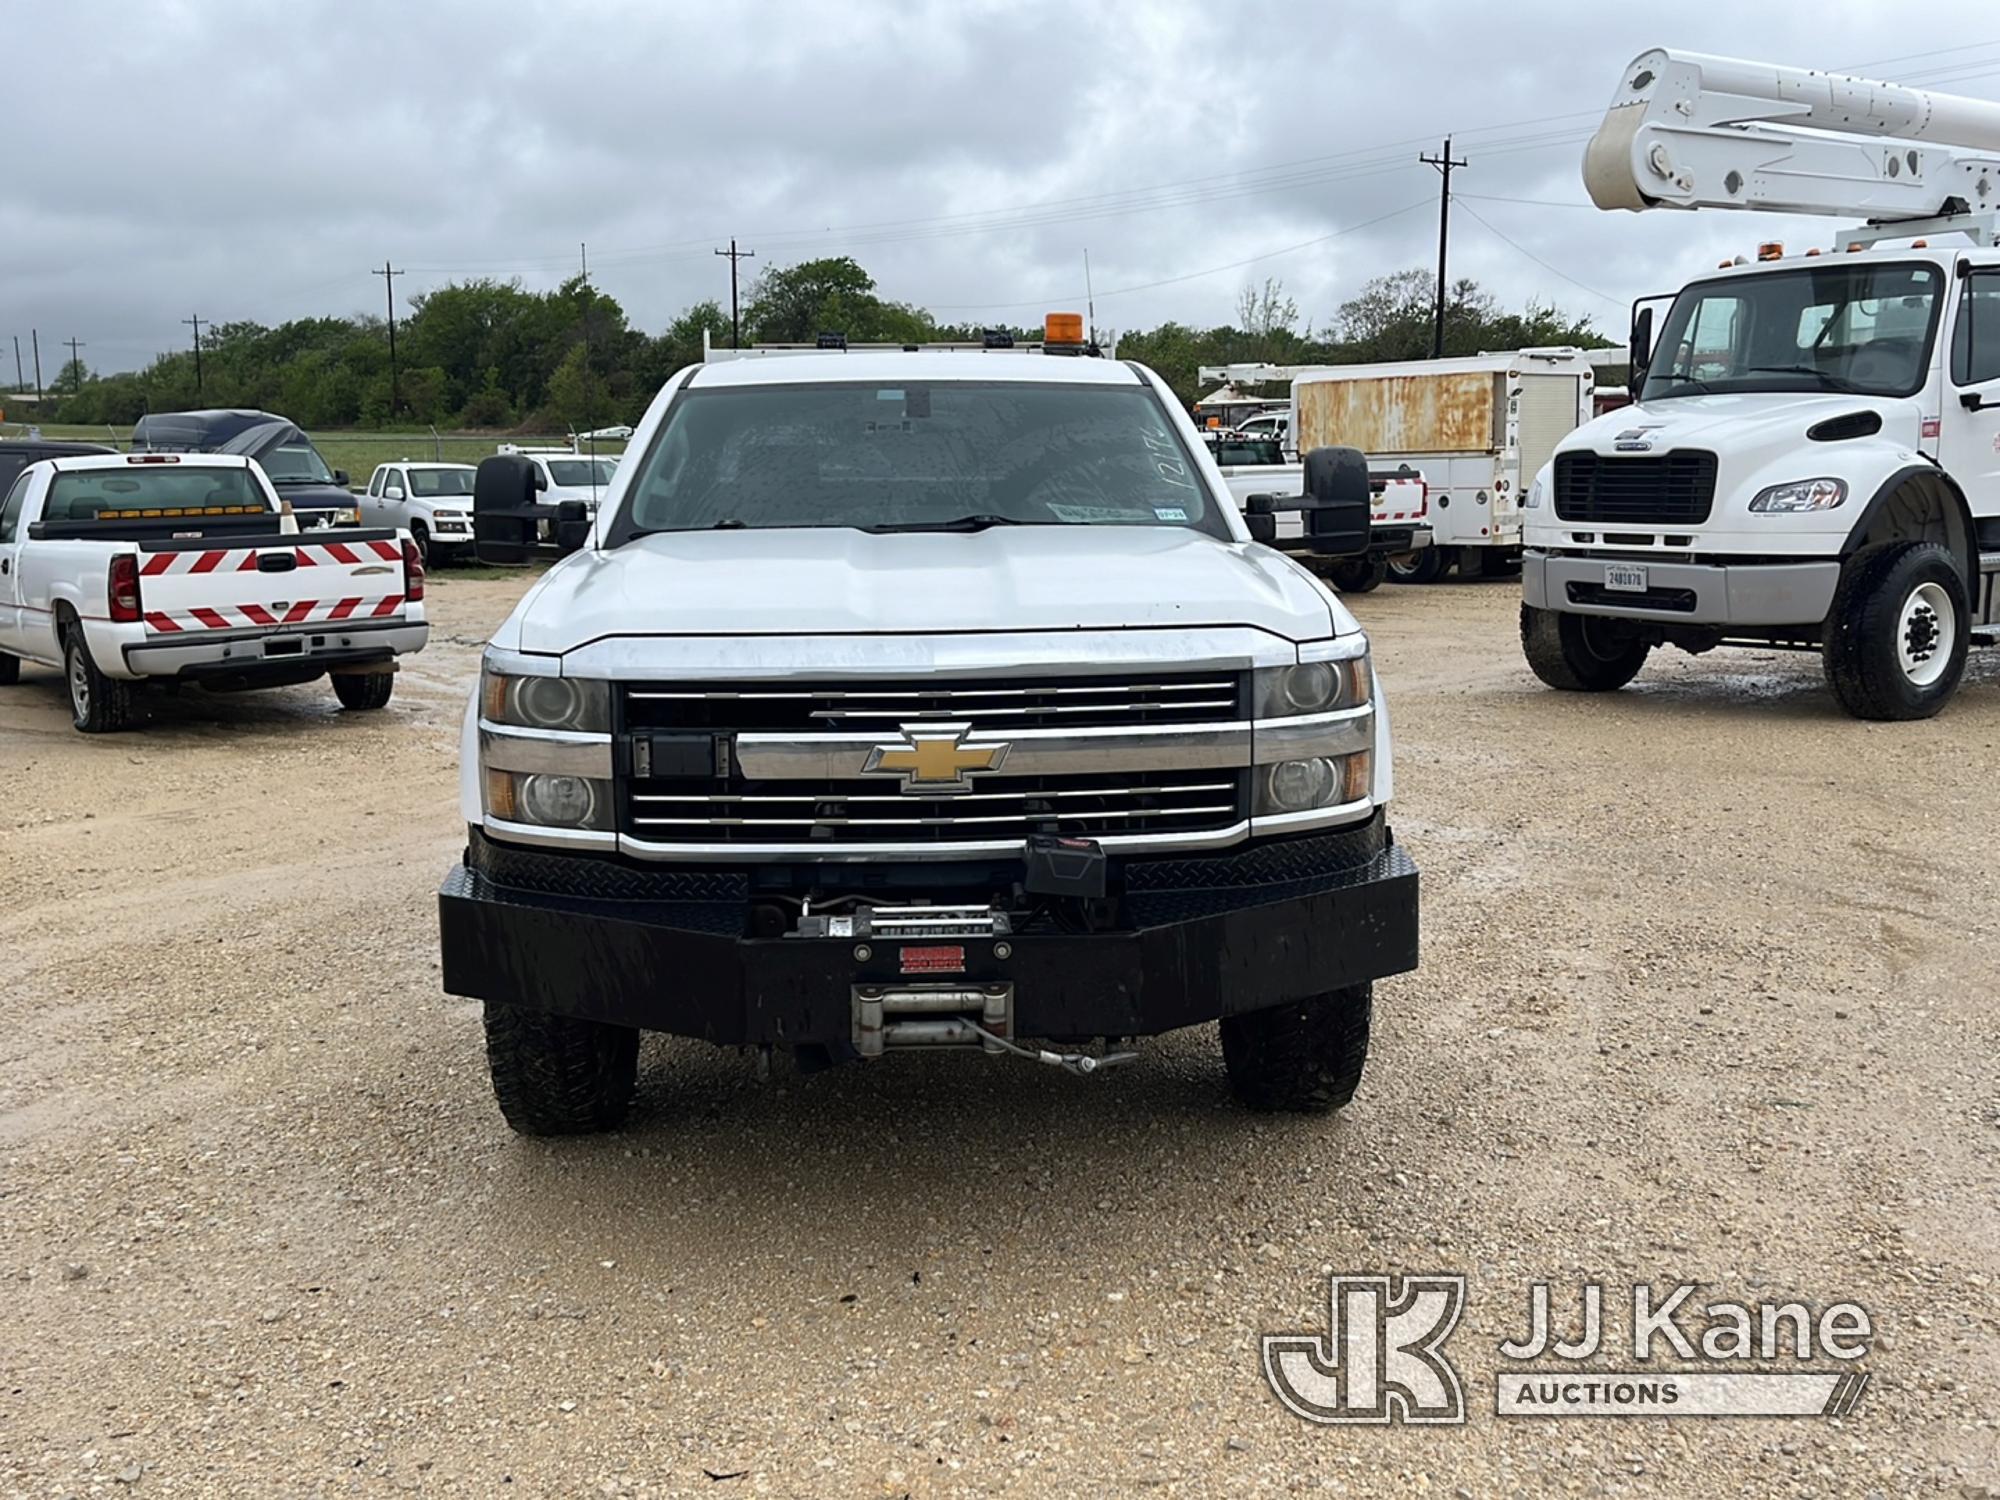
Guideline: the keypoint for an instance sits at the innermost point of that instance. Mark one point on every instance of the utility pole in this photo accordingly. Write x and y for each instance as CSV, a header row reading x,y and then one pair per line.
x,y
197,322
1444,164
20,380
389,273
35,338
76,360
735,327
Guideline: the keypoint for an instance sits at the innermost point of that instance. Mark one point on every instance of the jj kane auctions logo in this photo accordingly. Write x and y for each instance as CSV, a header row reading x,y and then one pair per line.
x,y
1382,1357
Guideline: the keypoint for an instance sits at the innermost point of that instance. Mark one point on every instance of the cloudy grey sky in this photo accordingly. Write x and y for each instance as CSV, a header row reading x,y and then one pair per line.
x,y
254,158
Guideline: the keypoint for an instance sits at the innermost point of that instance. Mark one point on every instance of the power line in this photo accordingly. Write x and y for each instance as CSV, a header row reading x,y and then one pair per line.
x,y
1147,286
1553,271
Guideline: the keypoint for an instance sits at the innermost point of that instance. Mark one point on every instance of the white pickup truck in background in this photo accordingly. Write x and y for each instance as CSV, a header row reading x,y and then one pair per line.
x,y
431,501
1399,519
178,568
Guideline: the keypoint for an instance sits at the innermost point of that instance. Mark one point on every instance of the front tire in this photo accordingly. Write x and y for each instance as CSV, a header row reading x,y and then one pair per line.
x,y
1303,1057
1897,633
1580,653
97,704
554,1075
1358,575
421,535
364,690
1424,566
10,669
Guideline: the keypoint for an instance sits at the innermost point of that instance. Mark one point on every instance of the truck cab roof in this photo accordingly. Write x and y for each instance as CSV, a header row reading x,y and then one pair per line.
x,y
806,366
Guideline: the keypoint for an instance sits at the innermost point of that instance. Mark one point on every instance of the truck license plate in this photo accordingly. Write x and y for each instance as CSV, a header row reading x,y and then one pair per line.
x,y
1625,578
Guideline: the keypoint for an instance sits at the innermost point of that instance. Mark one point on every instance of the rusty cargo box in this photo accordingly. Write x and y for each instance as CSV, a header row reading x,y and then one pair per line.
x,y
1446,412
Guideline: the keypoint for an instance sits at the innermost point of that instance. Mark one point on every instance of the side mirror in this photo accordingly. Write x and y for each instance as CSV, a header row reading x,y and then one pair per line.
x,y
340,478
393,492
1640,353
1337,502
1261,526
572,526
505,516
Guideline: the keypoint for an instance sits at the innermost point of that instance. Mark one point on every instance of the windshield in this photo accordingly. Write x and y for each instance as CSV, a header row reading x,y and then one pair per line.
x,y
918,456
579,473
1863,329
432,482
295,463
80,495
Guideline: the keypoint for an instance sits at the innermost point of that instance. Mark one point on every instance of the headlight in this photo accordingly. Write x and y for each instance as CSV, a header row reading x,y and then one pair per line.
x,y
571,703
348,517
1801,495
548,800
1312,687
1534,500
1294,786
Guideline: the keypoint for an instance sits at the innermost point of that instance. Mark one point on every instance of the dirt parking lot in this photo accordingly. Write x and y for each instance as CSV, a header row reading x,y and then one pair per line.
x,y
1708,994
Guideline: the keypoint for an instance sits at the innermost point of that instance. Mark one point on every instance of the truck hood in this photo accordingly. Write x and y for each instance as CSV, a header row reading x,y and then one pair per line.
x,y
835,581
1752,419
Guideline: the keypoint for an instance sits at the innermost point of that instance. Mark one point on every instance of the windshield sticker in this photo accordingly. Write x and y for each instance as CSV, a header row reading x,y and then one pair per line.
x,y
888,395
1086,515
1169,513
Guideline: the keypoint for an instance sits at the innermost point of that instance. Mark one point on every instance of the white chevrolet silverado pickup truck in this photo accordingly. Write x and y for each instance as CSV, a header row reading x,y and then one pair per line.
x,y
171,569
916,700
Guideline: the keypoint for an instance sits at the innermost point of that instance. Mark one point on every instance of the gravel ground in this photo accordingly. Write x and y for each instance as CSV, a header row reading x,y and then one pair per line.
x,y
1707,995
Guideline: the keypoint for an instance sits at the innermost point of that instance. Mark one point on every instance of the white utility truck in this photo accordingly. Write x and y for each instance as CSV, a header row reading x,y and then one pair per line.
x,y
1810,458
916,699
431,501
171,569
1476,428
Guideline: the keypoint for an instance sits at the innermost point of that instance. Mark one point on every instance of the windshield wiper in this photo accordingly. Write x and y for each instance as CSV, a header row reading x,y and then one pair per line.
x,y
977,522
1832,382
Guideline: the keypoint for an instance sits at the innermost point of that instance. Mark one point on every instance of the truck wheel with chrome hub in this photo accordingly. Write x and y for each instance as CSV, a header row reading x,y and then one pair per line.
x,y
1580,653
1896,635
555,1075
97,704
1304,1057
1426,565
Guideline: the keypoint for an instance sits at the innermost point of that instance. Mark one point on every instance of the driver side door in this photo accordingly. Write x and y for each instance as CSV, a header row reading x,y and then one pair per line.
x,y
1968,440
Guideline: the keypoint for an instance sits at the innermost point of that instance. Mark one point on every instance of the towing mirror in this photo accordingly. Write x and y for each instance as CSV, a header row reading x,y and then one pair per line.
x,y
572,526
1640,353
1336,502
505,515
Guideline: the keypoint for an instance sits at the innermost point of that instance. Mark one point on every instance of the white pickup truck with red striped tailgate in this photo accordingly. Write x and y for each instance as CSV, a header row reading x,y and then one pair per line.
x,y
128,567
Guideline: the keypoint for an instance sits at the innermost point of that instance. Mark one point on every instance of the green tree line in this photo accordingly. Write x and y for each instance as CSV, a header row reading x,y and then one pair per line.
x,y
492,355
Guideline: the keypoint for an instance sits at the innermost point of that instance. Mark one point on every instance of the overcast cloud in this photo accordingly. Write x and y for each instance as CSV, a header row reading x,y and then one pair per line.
x,y
254,160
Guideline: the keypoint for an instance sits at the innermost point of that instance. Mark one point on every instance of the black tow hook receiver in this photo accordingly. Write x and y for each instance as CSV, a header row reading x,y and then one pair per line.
x,y
1064,867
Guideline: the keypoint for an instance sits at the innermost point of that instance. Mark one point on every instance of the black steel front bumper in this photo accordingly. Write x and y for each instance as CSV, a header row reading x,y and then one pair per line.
x,y
668,949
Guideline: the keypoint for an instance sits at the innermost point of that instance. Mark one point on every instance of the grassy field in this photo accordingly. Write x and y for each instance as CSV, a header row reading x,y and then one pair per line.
x,y
355,452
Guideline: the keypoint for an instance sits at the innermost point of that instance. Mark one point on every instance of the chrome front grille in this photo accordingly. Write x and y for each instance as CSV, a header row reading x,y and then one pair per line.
x,y
1002,809
993,707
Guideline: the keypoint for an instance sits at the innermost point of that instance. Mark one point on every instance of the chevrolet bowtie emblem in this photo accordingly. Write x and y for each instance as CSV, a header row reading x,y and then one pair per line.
x,y
934,758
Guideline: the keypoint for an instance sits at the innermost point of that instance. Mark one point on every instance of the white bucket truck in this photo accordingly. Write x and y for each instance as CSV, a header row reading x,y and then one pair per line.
x,y
1812,459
